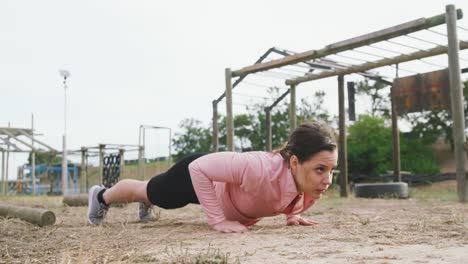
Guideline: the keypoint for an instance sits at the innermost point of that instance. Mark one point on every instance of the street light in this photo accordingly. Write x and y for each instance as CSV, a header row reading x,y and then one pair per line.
x,y
65,74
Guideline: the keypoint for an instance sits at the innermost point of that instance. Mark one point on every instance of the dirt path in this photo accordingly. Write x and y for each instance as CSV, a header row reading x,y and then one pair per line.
x,y
351,231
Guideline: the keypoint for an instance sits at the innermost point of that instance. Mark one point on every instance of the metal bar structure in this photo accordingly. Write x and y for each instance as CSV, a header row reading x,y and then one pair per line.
x,y
142,147
449,18
376,64
456,95
14,134
327,64
367,39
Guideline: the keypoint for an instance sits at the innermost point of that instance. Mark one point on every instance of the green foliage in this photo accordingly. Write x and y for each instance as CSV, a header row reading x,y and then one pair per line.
x,y
194,138
377,92
45,158
430,125
369,146
249,129
370,149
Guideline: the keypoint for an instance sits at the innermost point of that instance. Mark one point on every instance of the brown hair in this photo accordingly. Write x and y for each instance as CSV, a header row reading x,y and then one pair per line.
x,y
307,140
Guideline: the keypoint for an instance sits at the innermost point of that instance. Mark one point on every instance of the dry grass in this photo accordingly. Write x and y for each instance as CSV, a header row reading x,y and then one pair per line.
x,y
352,230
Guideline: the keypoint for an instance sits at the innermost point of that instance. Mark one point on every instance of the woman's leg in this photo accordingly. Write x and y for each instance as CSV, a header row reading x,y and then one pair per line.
x,y
126,191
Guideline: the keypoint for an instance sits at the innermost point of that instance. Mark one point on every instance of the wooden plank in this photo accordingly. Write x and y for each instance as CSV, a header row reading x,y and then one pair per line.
x,y
352,43
376,64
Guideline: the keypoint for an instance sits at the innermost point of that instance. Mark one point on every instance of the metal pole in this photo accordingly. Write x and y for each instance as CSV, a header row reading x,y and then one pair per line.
x,y
457,101
229,115
268,129
215,127
395,134
342,140
33,156
64,143
292,109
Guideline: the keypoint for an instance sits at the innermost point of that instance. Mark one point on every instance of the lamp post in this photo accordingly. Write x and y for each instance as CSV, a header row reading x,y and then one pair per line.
x,y
65,74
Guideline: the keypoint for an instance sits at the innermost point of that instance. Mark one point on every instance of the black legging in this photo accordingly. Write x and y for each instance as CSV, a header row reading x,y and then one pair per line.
x,y
173,188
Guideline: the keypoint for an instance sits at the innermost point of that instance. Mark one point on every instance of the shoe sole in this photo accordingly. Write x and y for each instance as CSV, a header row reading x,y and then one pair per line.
x,y
90,199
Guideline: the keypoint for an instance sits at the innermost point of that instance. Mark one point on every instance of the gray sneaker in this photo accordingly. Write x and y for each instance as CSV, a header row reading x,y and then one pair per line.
x,y
145,212
96,210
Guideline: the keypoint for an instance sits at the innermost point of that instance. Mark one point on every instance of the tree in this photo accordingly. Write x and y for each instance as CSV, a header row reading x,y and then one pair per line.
x,y
45,158
430,125
378,93
194,138
370,149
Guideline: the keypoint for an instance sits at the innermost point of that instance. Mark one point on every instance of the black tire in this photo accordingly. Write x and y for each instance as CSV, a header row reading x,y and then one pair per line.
x,y
382,190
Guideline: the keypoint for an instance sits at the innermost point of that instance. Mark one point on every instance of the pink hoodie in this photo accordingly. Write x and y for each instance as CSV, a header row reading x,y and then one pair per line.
x,y
245,187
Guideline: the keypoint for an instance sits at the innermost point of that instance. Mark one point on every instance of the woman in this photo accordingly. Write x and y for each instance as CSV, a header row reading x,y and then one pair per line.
x,y
236,190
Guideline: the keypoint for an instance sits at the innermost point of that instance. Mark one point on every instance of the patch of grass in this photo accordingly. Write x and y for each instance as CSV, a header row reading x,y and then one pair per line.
x,y
445,191
40,201
208,256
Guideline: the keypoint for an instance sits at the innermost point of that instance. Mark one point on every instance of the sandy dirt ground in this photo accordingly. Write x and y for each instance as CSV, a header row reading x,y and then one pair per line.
x,y
352,230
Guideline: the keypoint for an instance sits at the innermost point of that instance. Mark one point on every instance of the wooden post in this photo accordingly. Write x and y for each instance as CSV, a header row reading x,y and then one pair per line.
x,y
456,93
215,127
36,216
141,163
268,129
33,158
101,163
292,109
83,176
7,164
122,161
3,174
229,115
395,134
343,159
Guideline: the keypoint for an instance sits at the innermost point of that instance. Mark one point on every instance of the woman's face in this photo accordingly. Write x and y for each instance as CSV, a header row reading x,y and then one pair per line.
x,y
314,176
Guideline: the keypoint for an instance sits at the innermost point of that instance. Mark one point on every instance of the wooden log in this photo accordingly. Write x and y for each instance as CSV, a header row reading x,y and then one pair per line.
x,y
82,200
76,200
38,216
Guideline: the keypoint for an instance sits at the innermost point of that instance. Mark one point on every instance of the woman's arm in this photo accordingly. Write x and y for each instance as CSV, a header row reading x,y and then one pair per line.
x,y
219,167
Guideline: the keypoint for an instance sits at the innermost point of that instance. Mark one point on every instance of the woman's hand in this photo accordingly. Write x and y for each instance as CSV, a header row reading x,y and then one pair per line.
x,y
297,220
230,227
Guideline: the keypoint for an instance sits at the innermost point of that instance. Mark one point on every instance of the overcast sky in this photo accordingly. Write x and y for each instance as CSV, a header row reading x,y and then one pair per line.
x,y
158,62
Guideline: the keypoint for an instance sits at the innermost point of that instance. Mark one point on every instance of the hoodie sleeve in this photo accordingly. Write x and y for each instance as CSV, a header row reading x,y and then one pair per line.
x,y
229,167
